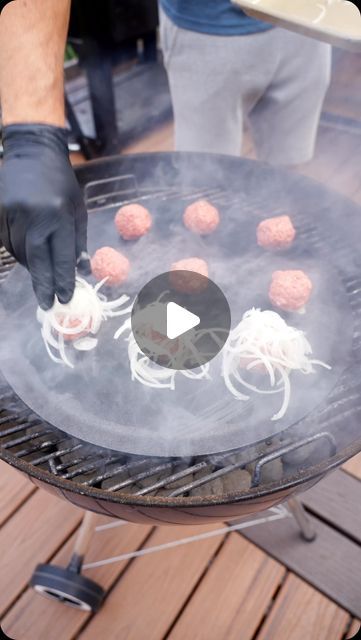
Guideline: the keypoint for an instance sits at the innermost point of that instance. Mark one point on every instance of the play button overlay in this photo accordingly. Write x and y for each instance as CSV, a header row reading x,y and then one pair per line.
x,y
181,320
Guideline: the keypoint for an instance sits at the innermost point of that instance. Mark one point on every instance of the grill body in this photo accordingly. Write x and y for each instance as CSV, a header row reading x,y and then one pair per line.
x,y
217,487
180,510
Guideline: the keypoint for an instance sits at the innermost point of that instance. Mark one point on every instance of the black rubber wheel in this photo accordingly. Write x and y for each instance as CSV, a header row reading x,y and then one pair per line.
x,y
68,587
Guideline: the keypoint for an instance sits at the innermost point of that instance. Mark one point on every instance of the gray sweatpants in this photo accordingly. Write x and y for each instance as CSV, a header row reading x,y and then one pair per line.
x,y
276,79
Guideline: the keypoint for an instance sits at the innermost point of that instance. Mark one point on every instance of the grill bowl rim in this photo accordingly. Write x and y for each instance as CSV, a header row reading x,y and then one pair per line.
x,y
303,477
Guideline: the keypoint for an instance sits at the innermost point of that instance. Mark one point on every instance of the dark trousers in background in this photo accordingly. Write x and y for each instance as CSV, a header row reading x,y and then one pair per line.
x,y
104,33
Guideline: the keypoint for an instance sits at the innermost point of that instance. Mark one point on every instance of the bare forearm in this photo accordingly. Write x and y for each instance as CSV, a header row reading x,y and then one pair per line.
x,y
32,37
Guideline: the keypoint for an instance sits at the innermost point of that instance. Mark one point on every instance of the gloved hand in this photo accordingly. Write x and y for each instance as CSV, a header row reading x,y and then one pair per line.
x,y
43,219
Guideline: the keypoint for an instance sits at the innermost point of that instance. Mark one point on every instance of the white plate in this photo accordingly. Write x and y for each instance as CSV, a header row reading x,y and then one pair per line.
x,y
335,21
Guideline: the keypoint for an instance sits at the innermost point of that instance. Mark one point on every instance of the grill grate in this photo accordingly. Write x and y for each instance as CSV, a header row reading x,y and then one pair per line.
x,y
24,436
43,446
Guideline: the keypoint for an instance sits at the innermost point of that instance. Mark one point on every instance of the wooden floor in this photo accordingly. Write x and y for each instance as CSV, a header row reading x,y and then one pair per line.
x,y
220,588
223,587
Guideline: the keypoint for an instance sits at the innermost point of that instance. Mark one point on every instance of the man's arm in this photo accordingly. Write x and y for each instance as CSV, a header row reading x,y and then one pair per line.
x,y
32,36
43,220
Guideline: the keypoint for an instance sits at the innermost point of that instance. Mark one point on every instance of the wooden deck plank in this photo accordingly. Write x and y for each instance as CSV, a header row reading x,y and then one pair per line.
x,y
14,490
161,139
301,612
353,466
331,563
343,96
32,535
335,170
234,595
334,499
147,599
34,616
354,628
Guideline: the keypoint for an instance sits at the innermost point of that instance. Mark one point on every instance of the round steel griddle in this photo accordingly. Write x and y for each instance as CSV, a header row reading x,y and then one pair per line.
x,y
98,402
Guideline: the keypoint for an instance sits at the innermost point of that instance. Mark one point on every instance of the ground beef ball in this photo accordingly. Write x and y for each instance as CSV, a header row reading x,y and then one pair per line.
x,y
169,347
290,290
276,233
111,264
133,221
72,323
184,281
201,217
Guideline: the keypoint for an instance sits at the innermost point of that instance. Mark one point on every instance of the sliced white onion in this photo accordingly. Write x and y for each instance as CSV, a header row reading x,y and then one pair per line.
x,y
264,338
85,344
286,396
63,355
126,326
150,374
90,309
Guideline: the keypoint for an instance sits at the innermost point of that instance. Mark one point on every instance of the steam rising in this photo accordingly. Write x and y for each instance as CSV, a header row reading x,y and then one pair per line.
x,y
97,401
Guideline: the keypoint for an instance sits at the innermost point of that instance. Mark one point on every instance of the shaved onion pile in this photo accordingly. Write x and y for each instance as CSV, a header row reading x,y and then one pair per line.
x,y
146,370
268,344
153,375
154,343
170,353
72,325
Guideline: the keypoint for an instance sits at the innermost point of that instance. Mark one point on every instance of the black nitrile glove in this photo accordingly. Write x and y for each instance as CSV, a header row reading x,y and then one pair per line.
x,y
43,219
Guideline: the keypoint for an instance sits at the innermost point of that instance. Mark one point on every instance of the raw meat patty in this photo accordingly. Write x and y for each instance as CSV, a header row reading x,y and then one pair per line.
x,y
290,290
73,323
276,233
111,264
201,217
133,221
184,281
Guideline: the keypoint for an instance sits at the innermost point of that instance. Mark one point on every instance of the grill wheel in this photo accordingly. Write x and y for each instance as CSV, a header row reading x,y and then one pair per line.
x,y
68,587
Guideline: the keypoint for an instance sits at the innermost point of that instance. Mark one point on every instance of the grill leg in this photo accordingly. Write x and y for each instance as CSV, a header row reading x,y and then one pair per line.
x,y
82,543
68,585
308,532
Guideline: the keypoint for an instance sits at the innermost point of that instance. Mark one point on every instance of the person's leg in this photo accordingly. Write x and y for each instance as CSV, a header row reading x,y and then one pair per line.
x,y
206,99
96,60
285,120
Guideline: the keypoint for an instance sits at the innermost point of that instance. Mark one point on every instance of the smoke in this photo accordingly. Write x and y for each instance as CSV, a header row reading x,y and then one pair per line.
x,y
98,401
